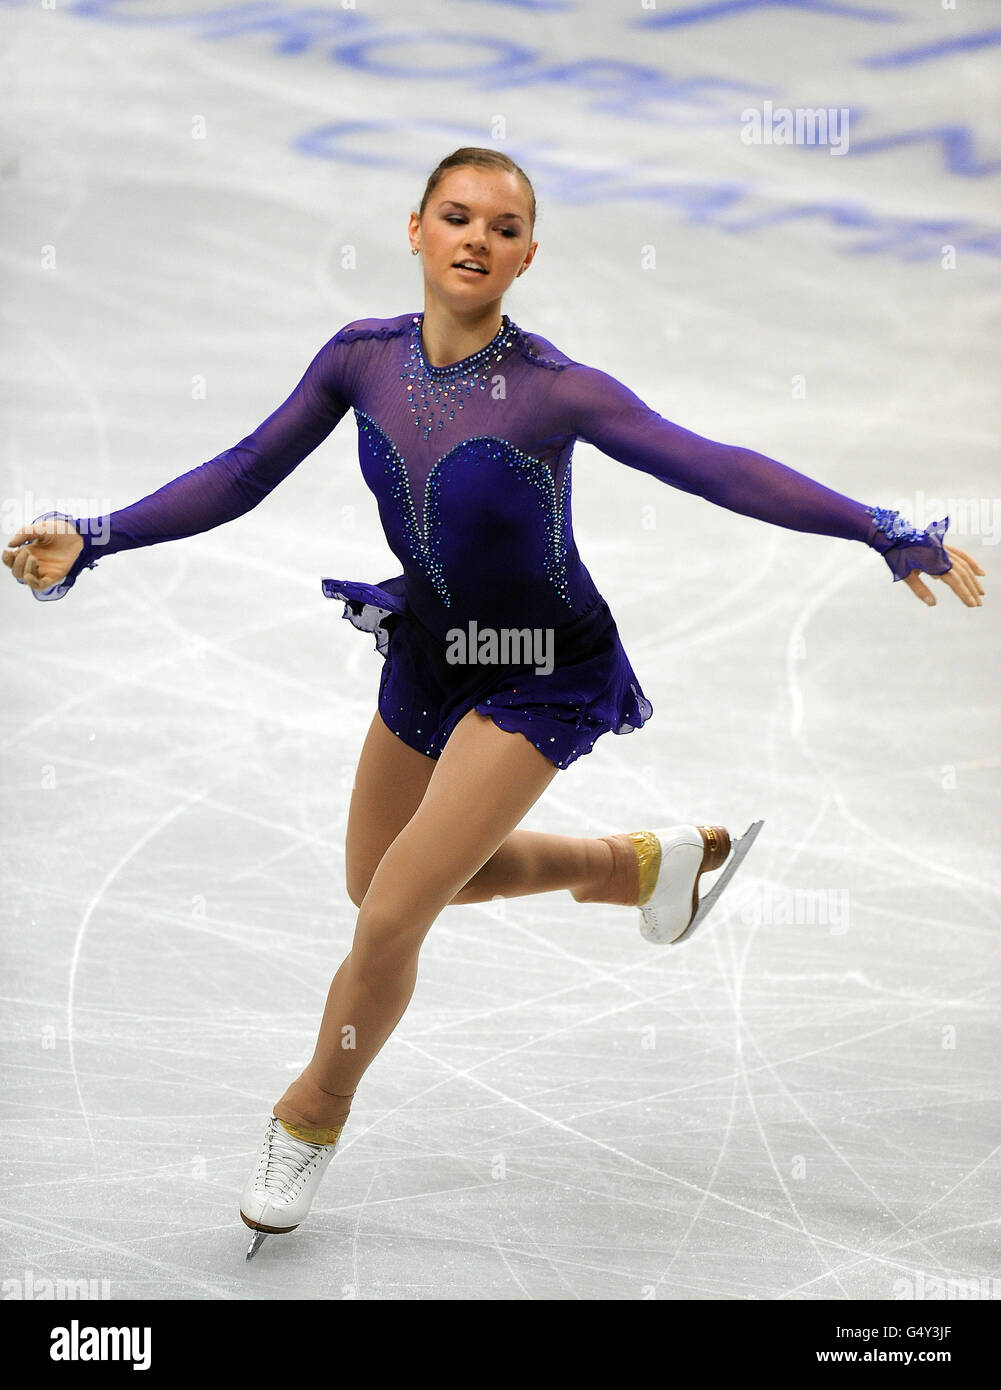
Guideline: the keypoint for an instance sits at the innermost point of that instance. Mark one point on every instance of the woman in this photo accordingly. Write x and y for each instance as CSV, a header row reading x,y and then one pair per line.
x,y
466,427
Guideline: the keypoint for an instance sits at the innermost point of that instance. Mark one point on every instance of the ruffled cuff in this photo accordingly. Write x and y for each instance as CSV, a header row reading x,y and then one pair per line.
x,y
85,560
904,547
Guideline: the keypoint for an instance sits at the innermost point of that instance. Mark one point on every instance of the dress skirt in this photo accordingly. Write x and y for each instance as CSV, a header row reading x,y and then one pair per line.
x,y
591,689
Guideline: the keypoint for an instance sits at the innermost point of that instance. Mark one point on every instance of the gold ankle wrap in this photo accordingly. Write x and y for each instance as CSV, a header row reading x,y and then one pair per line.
x,y
312,1134
647,848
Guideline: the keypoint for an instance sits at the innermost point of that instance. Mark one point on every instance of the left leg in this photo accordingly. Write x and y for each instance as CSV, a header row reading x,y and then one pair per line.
x,y
390,784
601,870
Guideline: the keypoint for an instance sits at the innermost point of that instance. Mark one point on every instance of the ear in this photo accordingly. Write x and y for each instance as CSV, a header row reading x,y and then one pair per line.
x,y
414,227
529,258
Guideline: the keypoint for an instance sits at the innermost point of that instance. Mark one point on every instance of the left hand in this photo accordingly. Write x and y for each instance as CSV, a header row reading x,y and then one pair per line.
x,y
961,579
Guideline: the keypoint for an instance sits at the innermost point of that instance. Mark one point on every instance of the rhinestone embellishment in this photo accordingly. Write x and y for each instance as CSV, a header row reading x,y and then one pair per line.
x,y
399,488
893,525
436,393
421,537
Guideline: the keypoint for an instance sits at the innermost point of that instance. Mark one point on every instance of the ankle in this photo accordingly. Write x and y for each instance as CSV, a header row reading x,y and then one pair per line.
x,y
620,882
306,1106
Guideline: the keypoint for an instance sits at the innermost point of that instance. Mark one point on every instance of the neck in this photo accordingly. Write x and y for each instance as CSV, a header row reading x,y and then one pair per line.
x,y
449,334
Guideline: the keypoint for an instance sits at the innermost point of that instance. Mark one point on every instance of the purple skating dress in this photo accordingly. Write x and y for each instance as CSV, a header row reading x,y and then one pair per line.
x,y
470,465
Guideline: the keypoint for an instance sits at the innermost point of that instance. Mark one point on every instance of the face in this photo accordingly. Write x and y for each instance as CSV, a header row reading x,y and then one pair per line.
x,y
480,215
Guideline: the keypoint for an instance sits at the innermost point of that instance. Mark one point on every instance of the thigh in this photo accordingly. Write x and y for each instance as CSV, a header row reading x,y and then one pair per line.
x,y
389,785
481,787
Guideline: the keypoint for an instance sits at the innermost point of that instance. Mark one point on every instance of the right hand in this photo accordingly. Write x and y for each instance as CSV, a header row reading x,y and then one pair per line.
x,y
42,554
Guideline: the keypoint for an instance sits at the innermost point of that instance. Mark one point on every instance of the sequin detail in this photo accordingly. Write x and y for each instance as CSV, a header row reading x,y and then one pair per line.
x,y
446,388
399,488
896,527
422,532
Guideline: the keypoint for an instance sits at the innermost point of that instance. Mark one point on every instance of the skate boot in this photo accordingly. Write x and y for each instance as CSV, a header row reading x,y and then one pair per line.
x,y
671,863
282,1186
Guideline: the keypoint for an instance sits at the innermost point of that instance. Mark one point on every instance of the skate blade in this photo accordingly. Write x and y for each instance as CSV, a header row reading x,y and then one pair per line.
x,y
256,1241
739,845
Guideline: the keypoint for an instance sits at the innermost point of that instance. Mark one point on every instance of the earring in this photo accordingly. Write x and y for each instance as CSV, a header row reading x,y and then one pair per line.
x,y
415,250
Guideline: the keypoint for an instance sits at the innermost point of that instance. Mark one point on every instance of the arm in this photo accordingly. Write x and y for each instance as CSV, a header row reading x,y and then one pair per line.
x,y
597,408
228,485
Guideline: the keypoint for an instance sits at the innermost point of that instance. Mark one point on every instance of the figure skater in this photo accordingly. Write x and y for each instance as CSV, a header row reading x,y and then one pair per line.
x,y
466,425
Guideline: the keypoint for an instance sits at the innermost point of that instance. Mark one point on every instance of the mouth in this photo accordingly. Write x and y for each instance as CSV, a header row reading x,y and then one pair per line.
x,y
470,267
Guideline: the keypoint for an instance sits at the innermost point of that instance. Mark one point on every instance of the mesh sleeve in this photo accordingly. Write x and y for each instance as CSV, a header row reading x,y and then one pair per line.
x,y
597,408
233,482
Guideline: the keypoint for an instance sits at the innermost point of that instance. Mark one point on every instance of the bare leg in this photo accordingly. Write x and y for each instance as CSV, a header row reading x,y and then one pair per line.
x,y
529,861
389,786
485,781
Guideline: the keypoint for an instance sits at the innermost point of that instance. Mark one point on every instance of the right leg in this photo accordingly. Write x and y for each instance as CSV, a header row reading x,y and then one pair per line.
x,y
481,787
390,792
465,821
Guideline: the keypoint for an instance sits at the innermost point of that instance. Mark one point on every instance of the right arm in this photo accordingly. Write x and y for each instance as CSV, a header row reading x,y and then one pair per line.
x,y
220,490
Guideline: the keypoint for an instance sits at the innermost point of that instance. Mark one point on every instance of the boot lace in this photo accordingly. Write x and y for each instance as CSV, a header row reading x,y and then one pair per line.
x,y
286,1162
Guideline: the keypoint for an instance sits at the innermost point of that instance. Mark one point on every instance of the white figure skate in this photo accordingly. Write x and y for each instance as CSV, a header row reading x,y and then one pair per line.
x,y
672,912
282,1186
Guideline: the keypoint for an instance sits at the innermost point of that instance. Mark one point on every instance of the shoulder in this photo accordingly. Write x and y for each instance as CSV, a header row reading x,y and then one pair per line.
x,y
365,329
576,387
582,401
572,374
541,352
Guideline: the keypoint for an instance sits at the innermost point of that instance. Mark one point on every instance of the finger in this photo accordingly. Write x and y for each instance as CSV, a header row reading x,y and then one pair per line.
x,y
961,587
954,550
969,570
922,591
968,573
37,578
18,562
968,576
10,556
39,533
31,572
26,570
26,533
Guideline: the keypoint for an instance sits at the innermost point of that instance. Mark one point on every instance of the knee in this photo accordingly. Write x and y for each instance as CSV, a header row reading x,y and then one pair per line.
x,y
386,938
358,876
357,888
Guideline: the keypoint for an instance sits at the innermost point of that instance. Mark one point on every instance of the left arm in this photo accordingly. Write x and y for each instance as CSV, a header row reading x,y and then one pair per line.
x,y
595,407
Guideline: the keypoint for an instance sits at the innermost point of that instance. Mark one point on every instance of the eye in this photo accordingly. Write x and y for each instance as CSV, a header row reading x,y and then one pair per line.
x,y
456,217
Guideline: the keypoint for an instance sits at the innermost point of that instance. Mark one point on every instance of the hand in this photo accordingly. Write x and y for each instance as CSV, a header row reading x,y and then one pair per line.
x,y
43,553
961,579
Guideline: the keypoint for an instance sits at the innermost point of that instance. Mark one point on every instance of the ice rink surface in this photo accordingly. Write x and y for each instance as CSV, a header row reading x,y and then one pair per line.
x,y
800,1104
